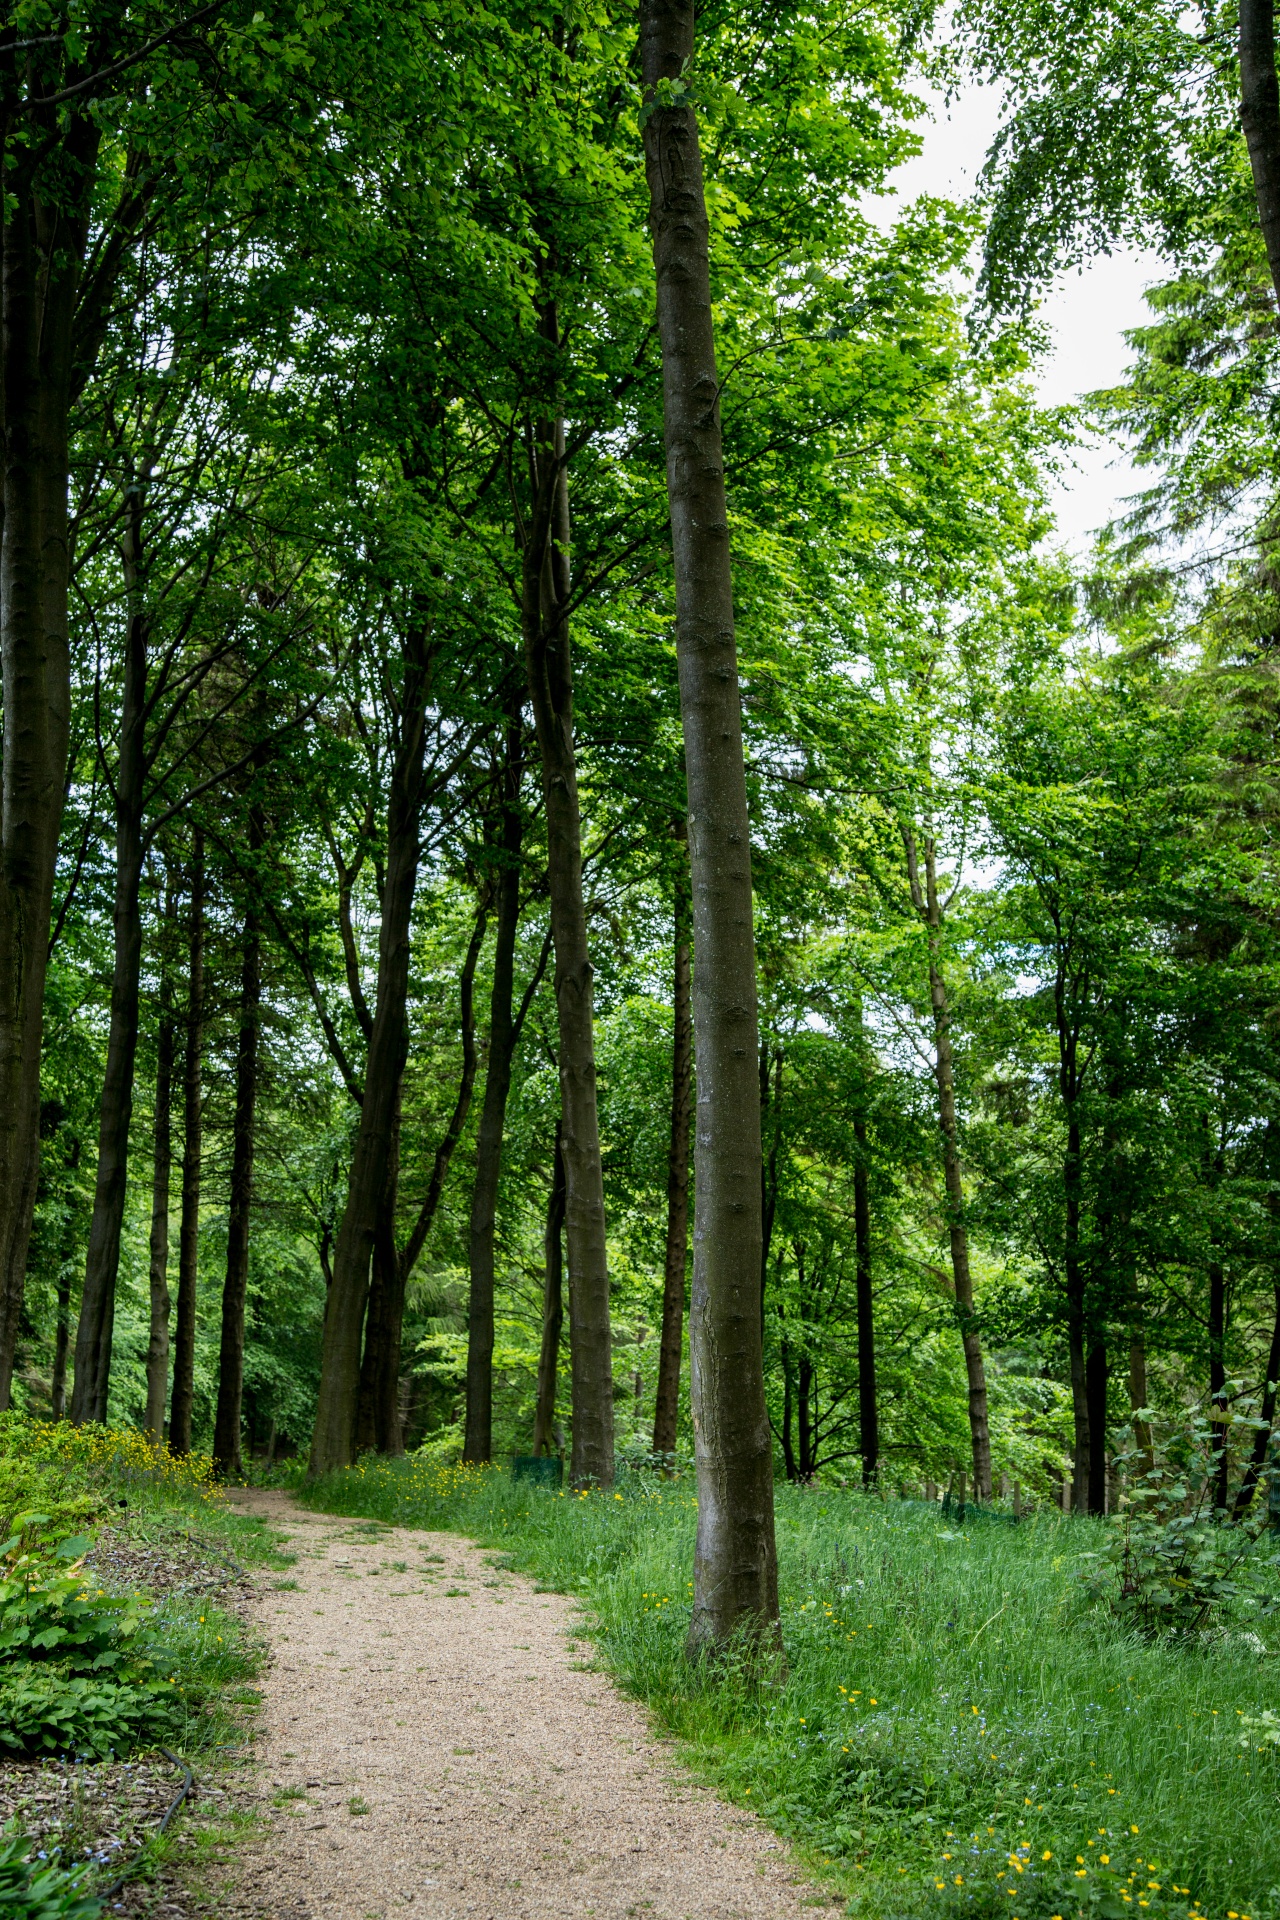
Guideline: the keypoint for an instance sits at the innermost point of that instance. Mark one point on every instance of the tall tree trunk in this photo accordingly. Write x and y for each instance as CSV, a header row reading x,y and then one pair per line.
x,y
1260,119
226,1426
115,1112
544,1418
788,1415
41,248
158,1338
868,1405
548,662
928,905
184,1333
1077,1330
333,1439
478,1441
667,1404
62,1322
1095,1381
1138,1396
1266,1416
770,1124
1218,1374
735,1564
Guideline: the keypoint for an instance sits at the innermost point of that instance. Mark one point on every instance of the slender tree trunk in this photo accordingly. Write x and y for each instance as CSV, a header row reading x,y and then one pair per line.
x,y
1077,1333
184,1333
868,1406
41,247
226,1426
115,1113
550,672
1095,1382
735,1564
770,1124
158,1339
478,1441
1138,1396
378,1405
333,1439
929,907
667,1406
1218,1373
544,1419
62,1324
1266,1416
788,1415
1260,119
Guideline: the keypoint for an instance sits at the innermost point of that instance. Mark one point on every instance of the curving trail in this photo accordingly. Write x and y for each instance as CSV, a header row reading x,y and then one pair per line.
x,y
502,1782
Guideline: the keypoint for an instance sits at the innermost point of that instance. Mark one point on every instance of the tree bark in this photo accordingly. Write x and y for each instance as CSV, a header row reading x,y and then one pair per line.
x,y
115,1113
478,1442
1260,119
62,1323
1077,1337
158,1338
544,1418
735,1565
1095,1382
667,1404
184,1333
226,1425
927,904
41,249
545,593
868,1404
333,1439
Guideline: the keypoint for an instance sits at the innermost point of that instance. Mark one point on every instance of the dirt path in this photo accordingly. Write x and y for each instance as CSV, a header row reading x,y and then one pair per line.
x,y
413,1679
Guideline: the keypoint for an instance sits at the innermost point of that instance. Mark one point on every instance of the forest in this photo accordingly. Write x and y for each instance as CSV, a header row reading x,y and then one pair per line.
x,y
570,830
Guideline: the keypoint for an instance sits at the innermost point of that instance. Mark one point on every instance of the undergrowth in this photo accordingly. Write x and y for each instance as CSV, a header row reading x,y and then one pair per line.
x,y
964,1730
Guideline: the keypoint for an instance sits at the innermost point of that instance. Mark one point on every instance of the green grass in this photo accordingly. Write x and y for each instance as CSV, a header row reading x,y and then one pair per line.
x,y
954,1697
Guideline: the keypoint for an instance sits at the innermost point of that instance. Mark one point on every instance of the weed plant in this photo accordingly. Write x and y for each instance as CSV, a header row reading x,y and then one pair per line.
x,y
964,1729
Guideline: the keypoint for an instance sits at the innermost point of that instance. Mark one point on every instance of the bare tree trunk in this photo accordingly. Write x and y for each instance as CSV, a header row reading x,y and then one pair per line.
x,y
62,1323
550,671
544,1418
478,1441
41,247
333,1440
735,1565
667,1405
868,1406
158,1339
115,1113
927,904
226,1426
184,1333
1260,119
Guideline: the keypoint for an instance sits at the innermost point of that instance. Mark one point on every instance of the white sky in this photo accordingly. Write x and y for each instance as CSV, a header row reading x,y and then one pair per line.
x,y
1087,312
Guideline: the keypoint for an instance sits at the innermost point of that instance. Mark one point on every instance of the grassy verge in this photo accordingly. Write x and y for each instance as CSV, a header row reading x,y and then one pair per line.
x,y
120,1633
963,1731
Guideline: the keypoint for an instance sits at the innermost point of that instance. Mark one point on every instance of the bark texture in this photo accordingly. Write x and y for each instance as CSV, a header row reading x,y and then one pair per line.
x,y
184,1332
226,1425
478,1441
62,1310
333,1439
868,1401
667,1405
545,595
735,1566
1260,119
161,1168
544,1418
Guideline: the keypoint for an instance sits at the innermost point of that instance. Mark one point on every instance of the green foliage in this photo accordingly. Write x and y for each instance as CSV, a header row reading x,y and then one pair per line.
x,y
39,1889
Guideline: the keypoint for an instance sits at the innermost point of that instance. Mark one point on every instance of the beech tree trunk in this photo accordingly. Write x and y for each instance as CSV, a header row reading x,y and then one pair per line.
x,y
333,1439
735,1564
41,249
184,1333
1260,119
667,1406
115,1112
226,1426
544,1419
928,905
545,593
158,1338
868,1403
478,1441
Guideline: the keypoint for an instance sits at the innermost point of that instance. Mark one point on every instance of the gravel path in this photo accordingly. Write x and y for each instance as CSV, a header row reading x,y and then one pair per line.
x,y
432,1745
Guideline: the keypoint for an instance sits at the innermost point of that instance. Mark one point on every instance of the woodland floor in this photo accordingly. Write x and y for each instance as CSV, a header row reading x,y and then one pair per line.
x,y
432,1743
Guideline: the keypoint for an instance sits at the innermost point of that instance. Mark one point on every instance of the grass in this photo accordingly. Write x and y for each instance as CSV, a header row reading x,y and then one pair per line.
x,y
962,1732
